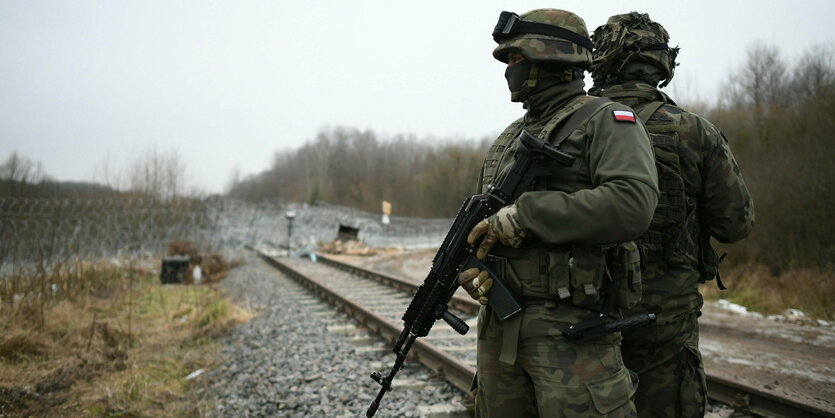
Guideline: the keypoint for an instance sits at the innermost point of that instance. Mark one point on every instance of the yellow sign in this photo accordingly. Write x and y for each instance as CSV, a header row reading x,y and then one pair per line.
x,y
386,208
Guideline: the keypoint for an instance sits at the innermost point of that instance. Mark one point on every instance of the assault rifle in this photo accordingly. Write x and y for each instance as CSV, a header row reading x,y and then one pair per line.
x,y
532,158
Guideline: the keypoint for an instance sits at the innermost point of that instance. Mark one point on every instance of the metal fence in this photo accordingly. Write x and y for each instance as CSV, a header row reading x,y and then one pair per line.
x,y
36,233
321,222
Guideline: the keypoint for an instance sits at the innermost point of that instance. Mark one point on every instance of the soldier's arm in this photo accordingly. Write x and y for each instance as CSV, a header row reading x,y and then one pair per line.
x,y
620,205
725,208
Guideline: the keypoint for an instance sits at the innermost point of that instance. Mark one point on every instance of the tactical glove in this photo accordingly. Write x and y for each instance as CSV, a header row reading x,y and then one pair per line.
x,y
503,227
477,283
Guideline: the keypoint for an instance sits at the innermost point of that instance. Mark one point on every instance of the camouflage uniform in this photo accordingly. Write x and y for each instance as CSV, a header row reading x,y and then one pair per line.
x,y
707,197
526,368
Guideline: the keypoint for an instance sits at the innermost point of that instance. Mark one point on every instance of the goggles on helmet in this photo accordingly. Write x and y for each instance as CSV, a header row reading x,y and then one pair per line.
x,y
510,25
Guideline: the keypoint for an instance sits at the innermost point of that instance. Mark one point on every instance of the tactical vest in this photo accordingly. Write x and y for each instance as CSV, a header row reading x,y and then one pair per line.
x,y
666,236
595,276
675,235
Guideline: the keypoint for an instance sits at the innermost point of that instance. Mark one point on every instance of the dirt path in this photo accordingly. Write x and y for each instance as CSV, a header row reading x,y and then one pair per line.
x,y
783,358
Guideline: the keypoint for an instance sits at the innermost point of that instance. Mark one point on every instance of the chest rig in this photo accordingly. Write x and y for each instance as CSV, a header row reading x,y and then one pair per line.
x,y
592,278
573,274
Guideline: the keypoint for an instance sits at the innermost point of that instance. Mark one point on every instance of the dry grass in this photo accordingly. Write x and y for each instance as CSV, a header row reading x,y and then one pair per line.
x,y
183,247
757,288
122,355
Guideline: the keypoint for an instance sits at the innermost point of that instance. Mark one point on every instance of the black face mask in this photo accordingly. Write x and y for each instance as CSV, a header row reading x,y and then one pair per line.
x,y
517,76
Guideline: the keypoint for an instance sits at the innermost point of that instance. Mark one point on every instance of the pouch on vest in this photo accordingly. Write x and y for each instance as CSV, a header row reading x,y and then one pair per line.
x,y
587,269
582,275
559,286
663,234
625,267
663,238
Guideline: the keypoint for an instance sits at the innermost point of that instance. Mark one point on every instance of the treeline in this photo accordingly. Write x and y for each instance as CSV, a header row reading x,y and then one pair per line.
x,y
779,116
778,113
150,173
23,177
355,168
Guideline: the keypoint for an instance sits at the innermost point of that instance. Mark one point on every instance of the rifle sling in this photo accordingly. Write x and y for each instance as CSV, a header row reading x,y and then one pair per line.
x,y
649,110
573,122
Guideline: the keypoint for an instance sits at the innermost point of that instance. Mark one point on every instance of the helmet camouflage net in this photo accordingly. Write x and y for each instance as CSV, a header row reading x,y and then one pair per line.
x,y
545,36
631,37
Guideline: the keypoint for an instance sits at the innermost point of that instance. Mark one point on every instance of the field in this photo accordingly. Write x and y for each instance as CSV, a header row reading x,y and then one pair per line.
x,y
125,347
757,288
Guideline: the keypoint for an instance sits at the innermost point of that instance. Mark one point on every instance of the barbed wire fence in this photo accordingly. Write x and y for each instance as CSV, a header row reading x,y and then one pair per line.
x,y
321,223
39,237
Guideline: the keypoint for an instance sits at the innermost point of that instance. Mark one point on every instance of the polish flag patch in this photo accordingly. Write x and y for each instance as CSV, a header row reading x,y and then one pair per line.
x,y
624,116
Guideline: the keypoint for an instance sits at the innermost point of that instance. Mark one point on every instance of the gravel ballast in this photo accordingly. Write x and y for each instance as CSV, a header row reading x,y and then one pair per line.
x,y
285,361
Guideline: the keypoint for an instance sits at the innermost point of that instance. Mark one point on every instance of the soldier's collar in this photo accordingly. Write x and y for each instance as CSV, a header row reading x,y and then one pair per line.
x,y
636,89
543,103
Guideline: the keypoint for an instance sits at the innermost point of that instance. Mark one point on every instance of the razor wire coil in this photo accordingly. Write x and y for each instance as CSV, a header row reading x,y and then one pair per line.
x,y
41,232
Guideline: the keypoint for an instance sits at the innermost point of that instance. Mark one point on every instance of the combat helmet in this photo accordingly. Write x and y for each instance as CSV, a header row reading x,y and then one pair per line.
x,y
544,36
631,38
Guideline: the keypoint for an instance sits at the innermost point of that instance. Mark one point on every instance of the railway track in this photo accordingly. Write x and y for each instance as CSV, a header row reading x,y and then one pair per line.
x,y
377,301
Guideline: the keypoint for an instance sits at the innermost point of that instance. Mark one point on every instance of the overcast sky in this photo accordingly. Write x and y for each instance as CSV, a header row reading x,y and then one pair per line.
x,y
226,84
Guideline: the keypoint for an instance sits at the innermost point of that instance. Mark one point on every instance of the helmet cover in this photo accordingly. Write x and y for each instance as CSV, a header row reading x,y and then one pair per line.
x,y
564,43
631,37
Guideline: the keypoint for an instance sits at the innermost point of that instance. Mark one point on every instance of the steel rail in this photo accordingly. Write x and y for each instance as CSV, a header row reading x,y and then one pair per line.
x,y
736,394
760,402
459,302
449,368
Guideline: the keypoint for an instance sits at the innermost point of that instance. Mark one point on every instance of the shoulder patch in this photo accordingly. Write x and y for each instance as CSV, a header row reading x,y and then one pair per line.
x,y
623,116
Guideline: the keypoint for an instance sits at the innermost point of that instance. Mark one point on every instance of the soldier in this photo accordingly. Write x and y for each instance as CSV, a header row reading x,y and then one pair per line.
x,y
702,195
551,246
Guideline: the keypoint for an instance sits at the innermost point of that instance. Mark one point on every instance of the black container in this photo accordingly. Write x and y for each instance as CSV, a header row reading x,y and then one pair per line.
x,y
174,269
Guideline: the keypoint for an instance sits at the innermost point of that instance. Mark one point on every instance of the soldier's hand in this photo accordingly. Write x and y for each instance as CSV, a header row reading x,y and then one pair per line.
x,y
477,283
502,227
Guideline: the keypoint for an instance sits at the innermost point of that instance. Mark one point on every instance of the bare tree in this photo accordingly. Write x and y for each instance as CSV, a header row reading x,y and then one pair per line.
x,y
234,178
21,169
155,174
781,128
813,75
763,78
19,175
759,90
351,167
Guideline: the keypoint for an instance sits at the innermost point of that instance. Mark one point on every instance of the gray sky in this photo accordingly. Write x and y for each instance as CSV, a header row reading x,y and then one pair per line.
x,y
227,84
